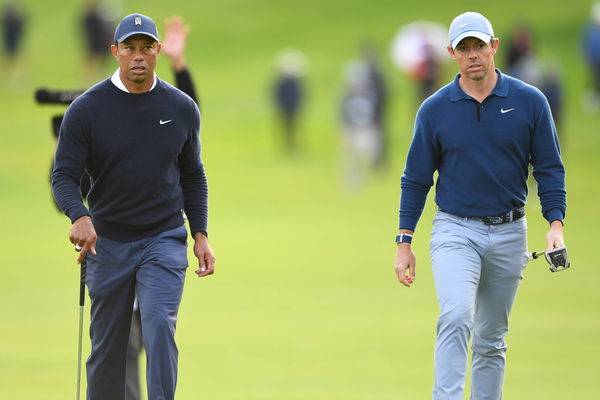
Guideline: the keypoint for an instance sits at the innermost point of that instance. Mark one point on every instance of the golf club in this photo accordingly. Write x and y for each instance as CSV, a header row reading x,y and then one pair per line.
x,y
557,258
81,303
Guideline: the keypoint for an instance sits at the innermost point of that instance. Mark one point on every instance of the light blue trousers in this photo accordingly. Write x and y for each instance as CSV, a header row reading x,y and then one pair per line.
x,y
154,268
477,269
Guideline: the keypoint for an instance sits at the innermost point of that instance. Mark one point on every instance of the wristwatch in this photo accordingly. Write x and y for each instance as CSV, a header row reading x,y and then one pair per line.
x,y
404,238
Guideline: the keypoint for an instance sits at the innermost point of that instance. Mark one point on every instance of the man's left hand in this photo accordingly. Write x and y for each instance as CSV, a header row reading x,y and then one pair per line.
x,y
554,237
205,255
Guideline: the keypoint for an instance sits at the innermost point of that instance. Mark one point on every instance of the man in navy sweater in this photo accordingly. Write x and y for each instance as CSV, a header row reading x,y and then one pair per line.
x,y
138,138
480,133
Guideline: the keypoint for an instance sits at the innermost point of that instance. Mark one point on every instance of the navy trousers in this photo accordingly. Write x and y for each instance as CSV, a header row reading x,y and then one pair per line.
x,y
154,268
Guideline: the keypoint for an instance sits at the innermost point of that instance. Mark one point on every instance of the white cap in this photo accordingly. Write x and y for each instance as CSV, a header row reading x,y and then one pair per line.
x,y
596,13
470,24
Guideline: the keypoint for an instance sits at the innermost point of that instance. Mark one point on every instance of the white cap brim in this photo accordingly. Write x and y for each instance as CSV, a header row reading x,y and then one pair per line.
x,y
479,35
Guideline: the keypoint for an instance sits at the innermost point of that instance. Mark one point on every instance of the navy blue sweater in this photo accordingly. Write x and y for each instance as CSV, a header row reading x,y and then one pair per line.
x,y
482,152
142,152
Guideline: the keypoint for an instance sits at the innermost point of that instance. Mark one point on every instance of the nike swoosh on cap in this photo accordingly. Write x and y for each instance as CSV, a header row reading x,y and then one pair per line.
x,y
463,25
164,122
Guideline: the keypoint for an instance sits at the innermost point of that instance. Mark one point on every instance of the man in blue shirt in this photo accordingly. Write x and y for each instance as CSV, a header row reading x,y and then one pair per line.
x,y
591,50
480,133
138,139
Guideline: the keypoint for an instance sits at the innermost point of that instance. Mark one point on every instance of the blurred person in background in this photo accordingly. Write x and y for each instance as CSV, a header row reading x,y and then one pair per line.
x,y
380,92
427,72
173,46
140,225
520,59
480,133
552,87
522,63
97,26
418,50
13,23
591,49
288,93
361,129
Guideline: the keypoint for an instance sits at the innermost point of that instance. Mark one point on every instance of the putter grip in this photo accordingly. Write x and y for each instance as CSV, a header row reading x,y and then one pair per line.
x,y
82,283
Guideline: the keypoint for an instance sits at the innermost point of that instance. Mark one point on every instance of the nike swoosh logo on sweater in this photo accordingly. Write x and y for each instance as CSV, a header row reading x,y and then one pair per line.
x,y
503,111
164,122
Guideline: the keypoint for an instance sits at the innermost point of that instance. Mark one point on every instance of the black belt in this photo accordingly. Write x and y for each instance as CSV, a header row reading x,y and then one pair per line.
x,y
512,215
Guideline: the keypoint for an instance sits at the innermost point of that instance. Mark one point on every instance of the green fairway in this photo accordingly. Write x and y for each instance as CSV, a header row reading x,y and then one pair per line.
x,y
304,304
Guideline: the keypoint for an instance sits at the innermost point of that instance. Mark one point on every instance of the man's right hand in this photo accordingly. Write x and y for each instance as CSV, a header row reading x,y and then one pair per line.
x,y
83,236
405,264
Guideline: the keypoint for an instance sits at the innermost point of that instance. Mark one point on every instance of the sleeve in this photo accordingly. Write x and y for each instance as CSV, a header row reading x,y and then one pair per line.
x,y
421,163
184,82
72,152
193,178
548,169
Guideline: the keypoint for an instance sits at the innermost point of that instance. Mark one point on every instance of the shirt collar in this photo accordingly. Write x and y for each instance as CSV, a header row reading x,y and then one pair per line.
x,y
501,88
116,80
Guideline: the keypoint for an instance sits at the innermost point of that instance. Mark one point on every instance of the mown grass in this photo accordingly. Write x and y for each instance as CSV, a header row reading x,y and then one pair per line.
x,y
304,305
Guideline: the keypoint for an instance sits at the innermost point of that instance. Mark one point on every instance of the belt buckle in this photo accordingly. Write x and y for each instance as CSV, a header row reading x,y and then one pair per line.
x,y
493,220
519,212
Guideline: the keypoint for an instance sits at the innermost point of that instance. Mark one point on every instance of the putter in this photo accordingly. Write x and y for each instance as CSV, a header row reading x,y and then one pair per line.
x,y
557,258
81,303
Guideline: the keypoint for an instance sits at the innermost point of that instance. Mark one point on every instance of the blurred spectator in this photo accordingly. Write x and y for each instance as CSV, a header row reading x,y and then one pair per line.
x,y
13,22
380,92
523,64
173,46
419,49
98,28
288,92
551,85
521,61
427,72
361,131
591,48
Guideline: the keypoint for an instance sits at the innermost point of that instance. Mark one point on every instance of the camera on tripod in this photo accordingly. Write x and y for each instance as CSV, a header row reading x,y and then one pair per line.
x,y
64,97
49,96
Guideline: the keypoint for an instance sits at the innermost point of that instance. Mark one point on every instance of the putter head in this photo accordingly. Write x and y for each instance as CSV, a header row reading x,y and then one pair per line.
x,y
558,259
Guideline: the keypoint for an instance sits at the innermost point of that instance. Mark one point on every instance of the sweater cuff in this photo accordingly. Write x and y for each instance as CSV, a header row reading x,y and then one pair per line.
x,y
196,226
202,232
408,223
555,215
77,213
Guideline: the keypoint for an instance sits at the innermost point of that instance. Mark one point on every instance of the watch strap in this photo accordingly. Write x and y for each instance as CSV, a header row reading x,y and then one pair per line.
x,y
404,238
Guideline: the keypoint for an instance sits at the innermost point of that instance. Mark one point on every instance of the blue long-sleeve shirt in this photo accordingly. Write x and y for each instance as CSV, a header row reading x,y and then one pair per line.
x,y
591,43
482,152
142,152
